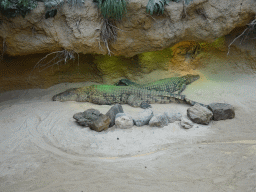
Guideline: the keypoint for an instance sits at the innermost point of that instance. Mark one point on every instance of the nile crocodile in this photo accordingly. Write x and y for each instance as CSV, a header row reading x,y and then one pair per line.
x,y
169,84
111,94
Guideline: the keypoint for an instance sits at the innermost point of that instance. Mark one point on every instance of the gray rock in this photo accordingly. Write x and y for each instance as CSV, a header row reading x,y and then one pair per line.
x,y
117,108
186,123
143,117
102,123
222,111
173,116
124,122
85,118
199,114
145,105
159,120
120,115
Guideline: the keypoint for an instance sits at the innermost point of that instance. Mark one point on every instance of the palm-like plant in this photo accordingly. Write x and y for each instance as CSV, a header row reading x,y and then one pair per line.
x,y
12,8
112,9
157,6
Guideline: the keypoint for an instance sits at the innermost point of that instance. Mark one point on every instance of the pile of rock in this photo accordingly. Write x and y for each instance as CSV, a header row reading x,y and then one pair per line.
x,y
115,116
202,115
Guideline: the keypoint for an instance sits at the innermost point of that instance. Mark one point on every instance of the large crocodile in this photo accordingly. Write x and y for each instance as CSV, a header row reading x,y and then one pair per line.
x,y
171,85
111,94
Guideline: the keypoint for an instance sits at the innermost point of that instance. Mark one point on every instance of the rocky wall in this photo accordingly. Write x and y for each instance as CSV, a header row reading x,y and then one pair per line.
x,y
78,28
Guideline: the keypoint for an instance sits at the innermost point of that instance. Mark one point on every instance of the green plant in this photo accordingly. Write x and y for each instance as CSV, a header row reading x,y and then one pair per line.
x,y
13,8
112,9
157,6
187,1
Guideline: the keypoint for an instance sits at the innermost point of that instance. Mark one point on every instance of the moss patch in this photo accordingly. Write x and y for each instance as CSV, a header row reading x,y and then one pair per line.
x,y
115,67
219,43
151,61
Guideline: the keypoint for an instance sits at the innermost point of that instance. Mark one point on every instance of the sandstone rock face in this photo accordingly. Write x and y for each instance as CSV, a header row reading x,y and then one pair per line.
x,y
78,29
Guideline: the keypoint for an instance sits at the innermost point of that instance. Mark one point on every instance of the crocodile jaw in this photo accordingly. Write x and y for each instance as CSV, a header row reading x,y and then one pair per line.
x,y
69,95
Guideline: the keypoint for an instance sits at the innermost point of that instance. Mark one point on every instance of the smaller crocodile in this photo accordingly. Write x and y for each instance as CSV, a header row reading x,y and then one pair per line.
x,y
111,94
171,85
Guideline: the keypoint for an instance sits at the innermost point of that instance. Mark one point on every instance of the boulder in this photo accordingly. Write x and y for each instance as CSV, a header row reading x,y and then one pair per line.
x,y
143,117
159,120
199,114
117,108
124,122
222,111
85,118
173,116
186,123
100,124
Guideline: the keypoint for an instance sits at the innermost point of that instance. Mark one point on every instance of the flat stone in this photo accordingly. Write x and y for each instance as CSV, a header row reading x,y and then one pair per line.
x,y
222,111
143,117
159,120
186,123
173,116
199,114
124,122
102,123
85,118
117,108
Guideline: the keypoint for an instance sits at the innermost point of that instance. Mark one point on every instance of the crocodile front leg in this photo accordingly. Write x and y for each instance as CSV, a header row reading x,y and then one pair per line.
x,y
182,88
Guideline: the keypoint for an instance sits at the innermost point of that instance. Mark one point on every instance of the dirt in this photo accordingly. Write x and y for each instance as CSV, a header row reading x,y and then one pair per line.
x,y
43,149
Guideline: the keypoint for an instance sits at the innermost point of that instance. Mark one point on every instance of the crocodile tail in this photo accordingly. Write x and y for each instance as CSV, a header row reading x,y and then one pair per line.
x,y
190,102
182,99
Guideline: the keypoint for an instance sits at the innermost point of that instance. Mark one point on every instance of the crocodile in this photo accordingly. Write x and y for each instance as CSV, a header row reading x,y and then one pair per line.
x,y
171,85
111,94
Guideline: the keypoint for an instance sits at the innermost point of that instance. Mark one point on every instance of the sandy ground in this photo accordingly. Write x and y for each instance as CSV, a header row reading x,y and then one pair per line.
x,y
43,149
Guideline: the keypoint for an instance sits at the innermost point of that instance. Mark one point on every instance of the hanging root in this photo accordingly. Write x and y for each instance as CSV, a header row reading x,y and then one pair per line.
x,y
184,12
108,33
4,49
60,56
249,29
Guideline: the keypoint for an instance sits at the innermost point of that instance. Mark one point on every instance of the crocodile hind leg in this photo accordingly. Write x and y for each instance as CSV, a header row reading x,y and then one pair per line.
x,y
134,101
182,88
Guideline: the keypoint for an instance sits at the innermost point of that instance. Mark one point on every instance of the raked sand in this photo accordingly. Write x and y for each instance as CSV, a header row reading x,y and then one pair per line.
x,y
43,149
